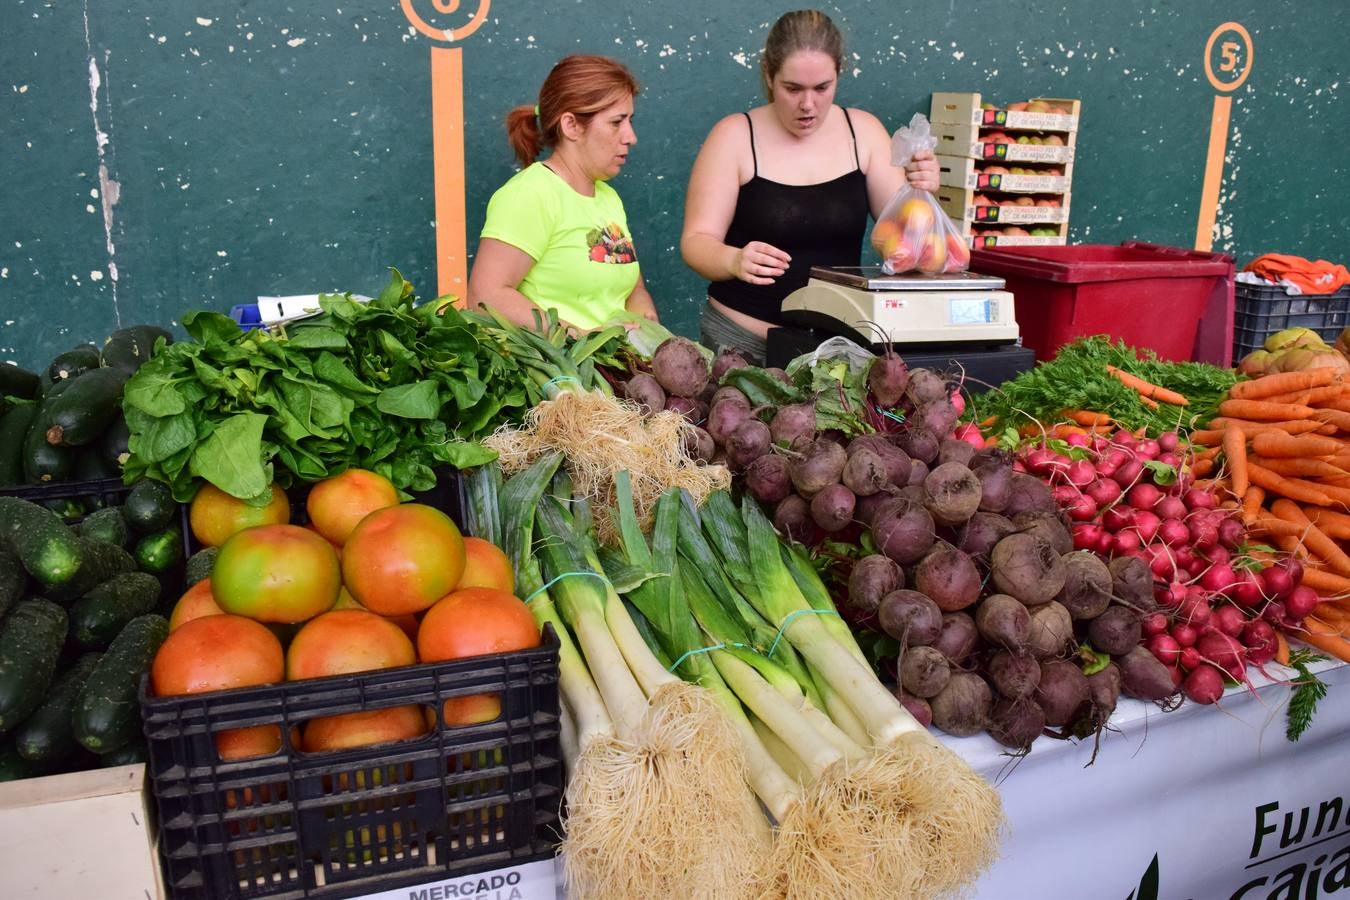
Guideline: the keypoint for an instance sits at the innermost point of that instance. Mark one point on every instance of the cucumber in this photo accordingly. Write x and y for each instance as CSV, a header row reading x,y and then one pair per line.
x,y
14,428
74,362
160,551
105,525
149,506
12,580
47,547
85,408
130,755
42,462
47,734
128,348
106,716
17,382
70,509
100,615
113,444
99,562
199,565
30,644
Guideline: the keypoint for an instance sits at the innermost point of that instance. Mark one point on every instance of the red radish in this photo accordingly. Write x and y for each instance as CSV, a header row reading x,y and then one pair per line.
x,y
970,433
1295,568
1065,494
1104,491
1228,620
1276,582
1173,531
1161,563
1144,496
1301,602
1274,613
1217,554
1099,444
1124,438
1082,509
1232,533
1219,579
1147,449
1078,440
1106,543
1167,650
1203,685
1154,623
1042,461
1146,525
1259,639
1111,461
1203,534
1246,590
1190,658
958,400
1169,441
1169,459
1198,499
1128,473
1019,466
1087,536
1177,675
1080,473
1195,611
1185,635
1170,508
1170,595
1117,518
1125,542
1225,651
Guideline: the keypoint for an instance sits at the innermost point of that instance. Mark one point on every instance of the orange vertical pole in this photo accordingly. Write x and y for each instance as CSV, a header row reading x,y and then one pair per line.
x,y
1209,195
447,127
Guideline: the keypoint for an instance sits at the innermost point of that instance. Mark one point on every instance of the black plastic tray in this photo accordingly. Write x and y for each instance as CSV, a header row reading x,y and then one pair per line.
x,y
1261,310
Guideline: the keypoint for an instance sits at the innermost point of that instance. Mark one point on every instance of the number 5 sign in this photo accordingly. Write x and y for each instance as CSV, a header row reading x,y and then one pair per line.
x,y
1228,62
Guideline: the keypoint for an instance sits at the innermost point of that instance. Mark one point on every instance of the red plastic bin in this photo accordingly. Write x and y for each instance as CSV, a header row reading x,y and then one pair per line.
x,y
1176,302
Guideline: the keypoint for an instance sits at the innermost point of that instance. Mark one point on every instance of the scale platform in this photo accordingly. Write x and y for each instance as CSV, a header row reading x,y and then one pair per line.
x,y
940,311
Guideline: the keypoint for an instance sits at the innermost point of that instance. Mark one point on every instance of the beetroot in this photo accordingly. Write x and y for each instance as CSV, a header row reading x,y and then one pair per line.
x,y
1063,691
820,464
767,478
963,706
918,472
910,617
919,443
994,469
949,577
727,392
792,517
748,443
1027,492
725,361
1050,632
699,444
646,392
793,424
694,411
958,638
1016,723
1027,568
1116,631
1104,692
679,366
916,707
1143,677
979,535
924,672
872,578
1132,582
1048,526
867,506
724,417
832,507
887,377
1087,585
779,375
1014,675
938,417
925,386
952,493
865,472
1003,621
903,531
953,450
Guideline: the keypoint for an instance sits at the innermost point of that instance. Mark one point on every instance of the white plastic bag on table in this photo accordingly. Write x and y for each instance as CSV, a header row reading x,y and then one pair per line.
x,y
913,233
832,350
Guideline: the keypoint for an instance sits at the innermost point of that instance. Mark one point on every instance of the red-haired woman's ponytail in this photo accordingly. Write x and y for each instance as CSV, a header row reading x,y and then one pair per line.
x,y
522,131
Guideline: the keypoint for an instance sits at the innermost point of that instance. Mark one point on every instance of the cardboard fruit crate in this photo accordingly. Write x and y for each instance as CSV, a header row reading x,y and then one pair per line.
x,y
964,172
961,206
968,109
978,143
988,239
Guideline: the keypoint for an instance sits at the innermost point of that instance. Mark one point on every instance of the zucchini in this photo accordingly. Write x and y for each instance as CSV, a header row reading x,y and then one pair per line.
x,y
42,462
31,638
99,562
85,408
14,767
70,509
199,565
149,506
113,444
17,382
128,348
14,428
106,716
100,615
47,547
132,754
92,465
105,525
12,580
160,551
74,362
47,734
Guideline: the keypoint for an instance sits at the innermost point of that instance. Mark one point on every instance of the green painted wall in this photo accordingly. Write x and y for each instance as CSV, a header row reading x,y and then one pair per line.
x,y
273,147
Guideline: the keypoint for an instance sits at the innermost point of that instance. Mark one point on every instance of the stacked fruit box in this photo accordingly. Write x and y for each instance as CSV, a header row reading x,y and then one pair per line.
x,y
1006,172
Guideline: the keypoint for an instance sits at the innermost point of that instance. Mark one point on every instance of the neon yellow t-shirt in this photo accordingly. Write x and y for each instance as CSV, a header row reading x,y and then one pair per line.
x,y
584,262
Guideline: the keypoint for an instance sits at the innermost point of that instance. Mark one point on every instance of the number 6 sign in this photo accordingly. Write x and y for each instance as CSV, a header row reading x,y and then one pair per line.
x,y
1230,46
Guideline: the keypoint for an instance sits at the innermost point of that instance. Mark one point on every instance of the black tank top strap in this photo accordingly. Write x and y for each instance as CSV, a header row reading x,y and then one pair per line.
x,y
852,134
751,125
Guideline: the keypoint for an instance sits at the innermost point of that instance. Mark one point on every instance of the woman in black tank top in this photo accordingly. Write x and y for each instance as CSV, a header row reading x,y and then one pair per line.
x,y
786,186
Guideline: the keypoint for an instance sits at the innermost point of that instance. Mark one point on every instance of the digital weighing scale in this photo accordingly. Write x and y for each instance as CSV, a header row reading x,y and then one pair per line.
x,y
961,309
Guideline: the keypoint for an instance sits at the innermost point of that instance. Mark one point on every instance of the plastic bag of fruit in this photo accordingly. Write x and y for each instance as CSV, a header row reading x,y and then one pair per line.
x,y
913,233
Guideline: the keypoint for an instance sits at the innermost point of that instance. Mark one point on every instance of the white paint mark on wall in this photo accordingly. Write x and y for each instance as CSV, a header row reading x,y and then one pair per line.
x,y
205,23
295,42
108,187
95,275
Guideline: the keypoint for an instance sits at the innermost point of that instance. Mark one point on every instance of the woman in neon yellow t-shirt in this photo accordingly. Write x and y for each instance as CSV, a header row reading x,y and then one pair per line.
x,y
556,235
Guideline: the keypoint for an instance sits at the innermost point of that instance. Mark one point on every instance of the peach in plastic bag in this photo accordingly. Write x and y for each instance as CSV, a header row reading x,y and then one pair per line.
x,y
913,233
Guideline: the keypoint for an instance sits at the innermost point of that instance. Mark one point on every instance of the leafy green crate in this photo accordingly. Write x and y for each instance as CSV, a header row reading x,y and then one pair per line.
x,y
457,801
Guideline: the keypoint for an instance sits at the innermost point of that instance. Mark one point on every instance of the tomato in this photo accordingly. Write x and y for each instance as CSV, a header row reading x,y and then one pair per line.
x,y
402,559
215,515
337,504
361,729
344,641
198,601
215,653
485,565
276,573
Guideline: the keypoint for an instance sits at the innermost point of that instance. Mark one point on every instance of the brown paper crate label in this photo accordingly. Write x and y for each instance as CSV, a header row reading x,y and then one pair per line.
x,y
1022,152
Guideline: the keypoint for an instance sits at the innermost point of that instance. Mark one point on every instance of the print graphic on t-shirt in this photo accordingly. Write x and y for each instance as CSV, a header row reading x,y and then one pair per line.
x,y
610,245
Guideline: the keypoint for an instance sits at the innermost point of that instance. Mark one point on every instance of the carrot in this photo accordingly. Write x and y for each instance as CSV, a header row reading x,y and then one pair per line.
x,y
1147,389
1293,488
1329,643
988,421
1335,417
1148,401
1281,648
1297,426
1270,443
1276,527
1315,539
1208,437
1300,467
1339,496
1326,583
1262,411
1252,498
1062,431
1235,451
1342,403
1336,525
1202,467
1322,395
1283,382
1086,417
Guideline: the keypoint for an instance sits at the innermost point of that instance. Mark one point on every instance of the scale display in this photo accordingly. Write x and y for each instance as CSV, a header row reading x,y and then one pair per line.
x,y
975,311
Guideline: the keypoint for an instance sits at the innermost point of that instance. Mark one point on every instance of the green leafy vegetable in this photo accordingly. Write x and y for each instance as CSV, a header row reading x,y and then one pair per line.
x,y
1308,692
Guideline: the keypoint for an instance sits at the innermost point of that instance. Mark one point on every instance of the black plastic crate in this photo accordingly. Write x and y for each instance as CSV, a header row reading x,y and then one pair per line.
x,y
1261,310
460,800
